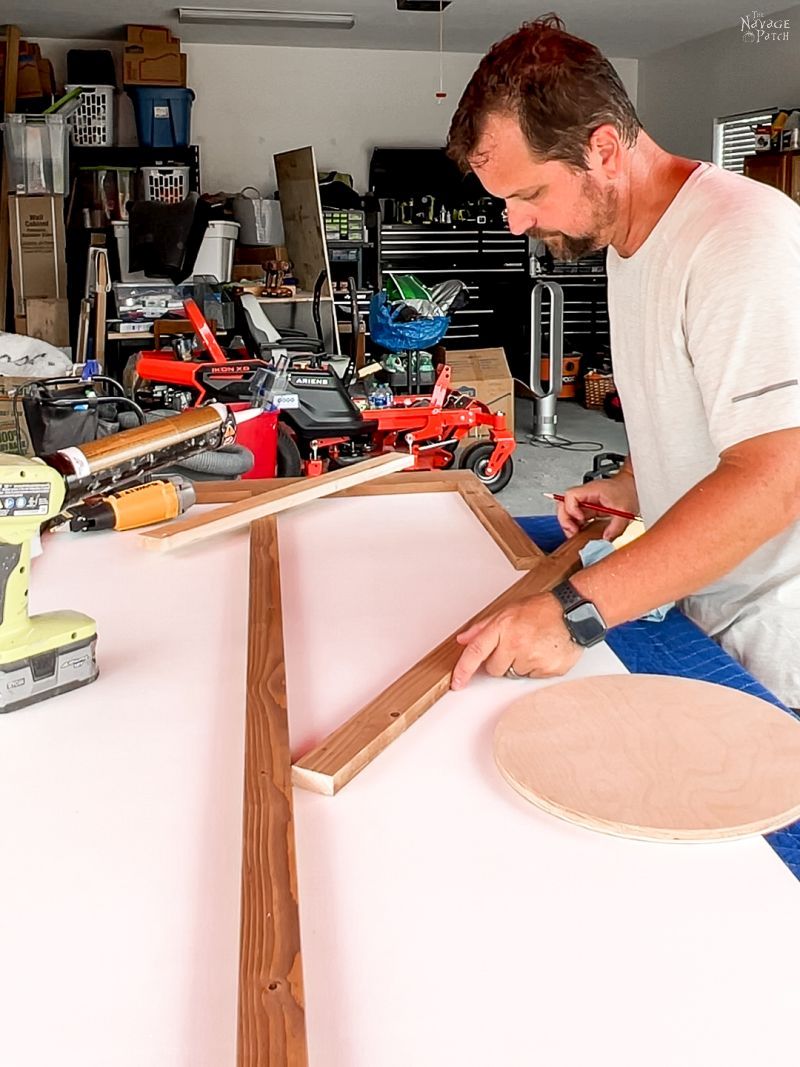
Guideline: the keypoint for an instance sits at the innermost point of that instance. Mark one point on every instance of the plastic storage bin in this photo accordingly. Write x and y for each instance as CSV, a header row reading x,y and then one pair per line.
x,y
163,116
170,185
216,252
37,152
215,256
93,119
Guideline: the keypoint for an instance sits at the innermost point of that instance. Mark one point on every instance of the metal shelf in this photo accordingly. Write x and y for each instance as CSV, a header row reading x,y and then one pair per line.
x,y
138,156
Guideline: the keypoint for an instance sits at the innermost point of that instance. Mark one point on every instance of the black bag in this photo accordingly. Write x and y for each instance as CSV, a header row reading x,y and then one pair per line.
x,y
62,412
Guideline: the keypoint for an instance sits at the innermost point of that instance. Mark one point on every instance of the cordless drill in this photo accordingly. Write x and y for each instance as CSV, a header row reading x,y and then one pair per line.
x,y
40,655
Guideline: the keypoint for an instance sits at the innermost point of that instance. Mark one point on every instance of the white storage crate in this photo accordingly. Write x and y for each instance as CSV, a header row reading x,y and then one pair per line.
x,y
92,121
215,256
170,185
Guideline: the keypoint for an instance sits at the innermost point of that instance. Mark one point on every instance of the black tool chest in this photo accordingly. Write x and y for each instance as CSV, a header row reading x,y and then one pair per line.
x,y
492,262
585,301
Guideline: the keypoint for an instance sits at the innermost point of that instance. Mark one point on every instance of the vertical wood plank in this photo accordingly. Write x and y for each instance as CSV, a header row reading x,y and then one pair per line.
x,y
271,1030
11,36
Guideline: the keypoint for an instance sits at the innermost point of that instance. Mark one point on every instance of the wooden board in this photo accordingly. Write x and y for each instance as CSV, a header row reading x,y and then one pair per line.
x,y
339,758
504,530
11,35
233,516
654,757
48,319
304,228
501,526
271,1026
301,209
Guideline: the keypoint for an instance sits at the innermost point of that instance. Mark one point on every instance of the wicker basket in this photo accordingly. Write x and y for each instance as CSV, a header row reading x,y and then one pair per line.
x,y
596,388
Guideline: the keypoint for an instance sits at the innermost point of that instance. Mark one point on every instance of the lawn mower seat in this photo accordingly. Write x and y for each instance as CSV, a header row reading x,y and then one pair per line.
x,y
325,408
259,329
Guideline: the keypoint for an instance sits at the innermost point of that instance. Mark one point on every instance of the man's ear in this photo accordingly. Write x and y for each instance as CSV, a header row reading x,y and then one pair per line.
x,y
605,149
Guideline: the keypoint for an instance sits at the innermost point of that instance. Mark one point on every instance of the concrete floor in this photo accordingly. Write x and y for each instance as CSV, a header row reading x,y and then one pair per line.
x,y
539,469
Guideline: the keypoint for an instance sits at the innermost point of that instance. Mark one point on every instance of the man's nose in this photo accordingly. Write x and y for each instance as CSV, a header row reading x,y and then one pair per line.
x,y
520,218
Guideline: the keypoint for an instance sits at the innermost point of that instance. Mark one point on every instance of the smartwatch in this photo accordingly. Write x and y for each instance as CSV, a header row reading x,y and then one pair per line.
x,y
584,622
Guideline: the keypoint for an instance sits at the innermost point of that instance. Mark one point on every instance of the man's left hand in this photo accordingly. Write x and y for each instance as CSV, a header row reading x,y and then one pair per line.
x,y
529,636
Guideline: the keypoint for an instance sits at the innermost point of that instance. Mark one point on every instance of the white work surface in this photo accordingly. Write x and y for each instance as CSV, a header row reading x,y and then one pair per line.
x,y
445,921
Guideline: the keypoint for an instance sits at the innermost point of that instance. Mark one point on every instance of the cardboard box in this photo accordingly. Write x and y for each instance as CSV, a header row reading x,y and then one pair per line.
x,y
486,371
152,35
47,318
38,259
14,436
143,66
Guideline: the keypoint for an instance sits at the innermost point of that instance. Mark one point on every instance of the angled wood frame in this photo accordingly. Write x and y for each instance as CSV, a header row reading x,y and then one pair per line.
x,y
346,751
521,552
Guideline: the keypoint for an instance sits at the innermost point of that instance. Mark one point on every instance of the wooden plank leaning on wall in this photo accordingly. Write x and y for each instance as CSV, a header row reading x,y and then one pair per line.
x,y
11,37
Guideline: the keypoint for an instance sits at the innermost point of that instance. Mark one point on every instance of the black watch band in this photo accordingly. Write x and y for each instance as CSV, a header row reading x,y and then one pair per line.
x,y
567,595
585,623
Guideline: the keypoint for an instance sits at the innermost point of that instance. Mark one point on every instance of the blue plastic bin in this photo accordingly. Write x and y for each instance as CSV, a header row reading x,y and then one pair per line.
x,y
163,116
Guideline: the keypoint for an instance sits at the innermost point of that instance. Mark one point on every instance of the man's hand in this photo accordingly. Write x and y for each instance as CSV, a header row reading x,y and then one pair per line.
x,y
618,492
529,636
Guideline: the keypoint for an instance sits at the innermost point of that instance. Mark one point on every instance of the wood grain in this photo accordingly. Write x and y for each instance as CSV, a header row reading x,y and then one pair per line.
x,y
271,1021
506,532
301,209
11,35
409,481
240,513
654,757
337,760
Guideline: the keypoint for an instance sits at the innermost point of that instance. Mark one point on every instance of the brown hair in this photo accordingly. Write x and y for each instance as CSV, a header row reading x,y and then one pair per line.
x,y
559,87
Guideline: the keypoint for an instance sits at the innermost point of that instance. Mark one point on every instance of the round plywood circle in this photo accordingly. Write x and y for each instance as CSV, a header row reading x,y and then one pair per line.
x,y
653,757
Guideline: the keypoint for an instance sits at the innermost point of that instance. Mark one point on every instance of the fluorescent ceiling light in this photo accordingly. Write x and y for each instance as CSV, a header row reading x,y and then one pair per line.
x,y
246,16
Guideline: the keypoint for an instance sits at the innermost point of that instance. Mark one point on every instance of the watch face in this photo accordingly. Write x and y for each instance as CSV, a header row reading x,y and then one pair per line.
x,y
585,624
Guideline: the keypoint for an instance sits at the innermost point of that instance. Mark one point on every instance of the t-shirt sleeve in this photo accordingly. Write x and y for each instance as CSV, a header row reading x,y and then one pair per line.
x,y
743,321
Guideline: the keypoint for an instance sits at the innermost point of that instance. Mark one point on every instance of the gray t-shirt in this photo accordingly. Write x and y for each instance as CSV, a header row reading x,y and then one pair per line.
x,y
705,334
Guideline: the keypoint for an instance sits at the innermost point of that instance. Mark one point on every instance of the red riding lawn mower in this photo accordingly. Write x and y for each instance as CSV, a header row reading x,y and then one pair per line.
x,y
320,425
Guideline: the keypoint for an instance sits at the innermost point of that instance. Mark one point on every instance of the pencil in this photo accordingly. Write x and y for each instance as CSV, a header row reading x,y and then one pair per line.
x,y
597,507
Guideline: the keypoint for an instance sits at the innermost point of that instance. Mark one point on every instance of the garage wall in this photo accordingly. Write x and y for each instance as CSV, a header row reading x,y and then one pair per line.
x,y
253,101
682,90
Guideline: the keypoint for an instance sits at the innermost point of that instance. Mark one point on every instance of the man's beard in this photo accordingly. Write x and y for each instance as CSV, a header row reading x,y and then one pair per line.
x,y
566,246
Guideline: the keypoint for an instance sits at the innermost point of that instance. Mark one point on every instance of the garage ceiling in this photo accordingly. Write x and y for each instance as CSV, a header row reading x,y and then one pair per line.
x,y
620,28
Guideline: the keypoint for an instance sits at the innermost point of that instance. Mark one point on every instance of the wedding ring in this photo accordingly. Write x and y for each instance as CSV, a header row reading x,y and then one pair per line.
x,y
511,673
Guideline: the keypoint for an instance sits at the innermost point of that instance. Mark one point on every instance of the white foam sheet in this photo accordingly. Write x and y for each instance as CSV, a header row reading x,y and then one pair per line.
x,y
444,919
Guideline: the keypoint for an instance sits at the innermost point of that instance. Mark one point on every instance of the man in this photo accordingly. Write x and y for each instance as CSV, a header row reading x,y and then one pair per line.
x,y
704,277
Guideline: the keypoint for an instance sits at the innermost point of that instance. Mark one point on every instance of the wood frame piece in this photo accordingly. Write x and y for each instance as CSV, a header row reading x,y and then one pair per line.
x,y
242,512
353,745
271,1011
515,544
346,751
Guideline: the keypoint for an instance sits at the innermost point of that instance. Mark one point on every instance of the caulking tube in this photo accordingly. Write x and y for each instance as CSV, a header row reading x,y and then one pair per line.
x,y
123,457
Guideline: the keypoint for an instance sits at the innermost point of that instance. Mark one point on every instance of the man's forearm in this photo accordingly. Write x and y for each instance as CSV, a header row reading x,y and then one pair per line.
x,y
706,534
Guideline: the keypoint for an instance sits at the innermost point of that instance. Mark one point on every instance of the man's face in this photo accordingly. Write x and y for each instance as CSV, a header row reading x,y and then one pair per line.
x,y
573,212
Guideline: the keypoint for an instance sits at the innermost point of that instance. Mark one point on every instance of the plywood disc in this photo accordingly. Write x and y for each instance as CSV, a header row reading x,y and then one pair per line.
x,y
654,757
